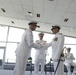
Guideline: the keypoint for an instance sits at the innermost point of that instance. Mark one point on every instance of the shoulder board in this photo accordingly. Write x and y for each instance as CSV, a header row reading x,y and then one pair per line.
x,y
60,34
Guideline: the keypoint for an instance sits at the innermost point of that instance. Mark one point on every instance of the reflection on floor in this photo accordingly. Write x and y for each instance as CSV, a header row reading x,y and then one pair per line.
x,y
10,72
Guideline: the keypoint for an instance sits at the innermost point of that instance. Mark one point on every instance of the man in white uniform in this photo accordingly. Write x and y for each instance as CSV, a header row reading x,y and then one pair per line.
x,y
57,47
24,49
40,55
69,62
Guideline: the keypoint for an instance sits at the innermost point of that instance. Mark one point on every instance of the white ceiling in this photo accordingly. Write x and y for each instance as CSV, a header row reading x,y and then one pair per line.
x,y
52,12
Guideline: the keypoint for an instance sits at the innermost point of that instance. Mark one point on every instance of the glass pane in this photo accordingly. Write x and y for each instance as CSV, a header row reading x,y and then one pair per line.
x,y
3,33
2,44
10,52
69,40
15,34
1,56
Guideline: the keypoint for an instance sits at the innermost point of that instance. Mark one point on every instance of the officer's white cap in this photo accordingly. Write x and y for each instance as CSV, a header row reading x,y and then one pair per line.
x,y
33,22
41,33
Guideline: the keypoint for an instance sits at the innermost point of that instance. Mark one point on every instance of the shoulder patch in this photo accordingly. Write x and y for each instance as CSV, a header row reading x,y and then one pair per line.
x,y
56,38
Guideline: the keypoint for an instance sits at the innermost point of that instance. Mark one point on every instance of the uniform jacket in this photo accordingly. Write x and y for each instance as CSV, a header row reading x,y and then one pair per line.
x,y
24,48
57,46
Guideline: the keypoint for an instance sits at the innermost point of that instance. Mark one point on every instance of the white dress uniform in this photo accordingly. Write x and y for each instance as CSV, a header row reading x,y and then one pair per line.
x,y
40,57
23,51
69,62
57,47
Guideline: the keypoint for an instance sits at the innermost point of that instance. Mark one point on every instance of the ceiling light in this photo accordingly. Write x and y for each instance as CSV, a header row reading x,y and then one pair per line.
x,y
3,9
29,13
38,15
66,19
12,22
51,0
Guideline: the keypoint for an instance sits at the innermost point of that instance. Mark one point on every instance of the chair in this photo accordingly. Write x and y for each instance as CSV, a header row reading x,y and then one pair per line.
x,y
30,62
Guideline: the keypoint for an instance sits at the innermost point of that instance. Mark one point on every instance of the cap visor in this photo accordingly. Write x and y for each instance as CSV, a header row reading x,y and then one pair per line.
x,y
38,26
52,29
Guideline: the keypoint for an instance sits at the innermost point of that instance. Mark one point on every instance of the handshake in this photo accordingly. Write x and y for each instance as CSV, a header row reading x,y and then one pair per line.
x,y
44,45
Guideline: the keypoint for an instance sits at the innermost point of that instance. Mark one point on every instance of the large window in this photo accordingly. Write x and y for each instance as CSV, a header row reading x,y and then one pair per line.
x,y
14,37
15,34
70,40
10,38
3,33
3,39
10,52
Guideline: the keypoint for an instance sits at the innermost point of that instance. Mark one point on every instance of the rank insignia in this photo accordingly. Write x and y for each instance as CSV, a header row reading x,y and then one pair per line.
x,y
55,39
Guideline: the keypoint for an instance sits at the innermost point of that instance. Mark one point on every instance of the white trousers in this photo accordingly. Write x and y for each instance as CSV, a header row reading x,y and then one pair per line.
x,y
20,65
60,70
37,63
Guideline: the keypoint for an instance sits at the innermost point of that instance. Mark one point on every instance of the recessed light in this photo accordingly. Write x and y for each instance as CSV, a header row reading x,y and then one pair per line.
x,y
51,0
29,13
3,9
12,22
66,19
38,15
